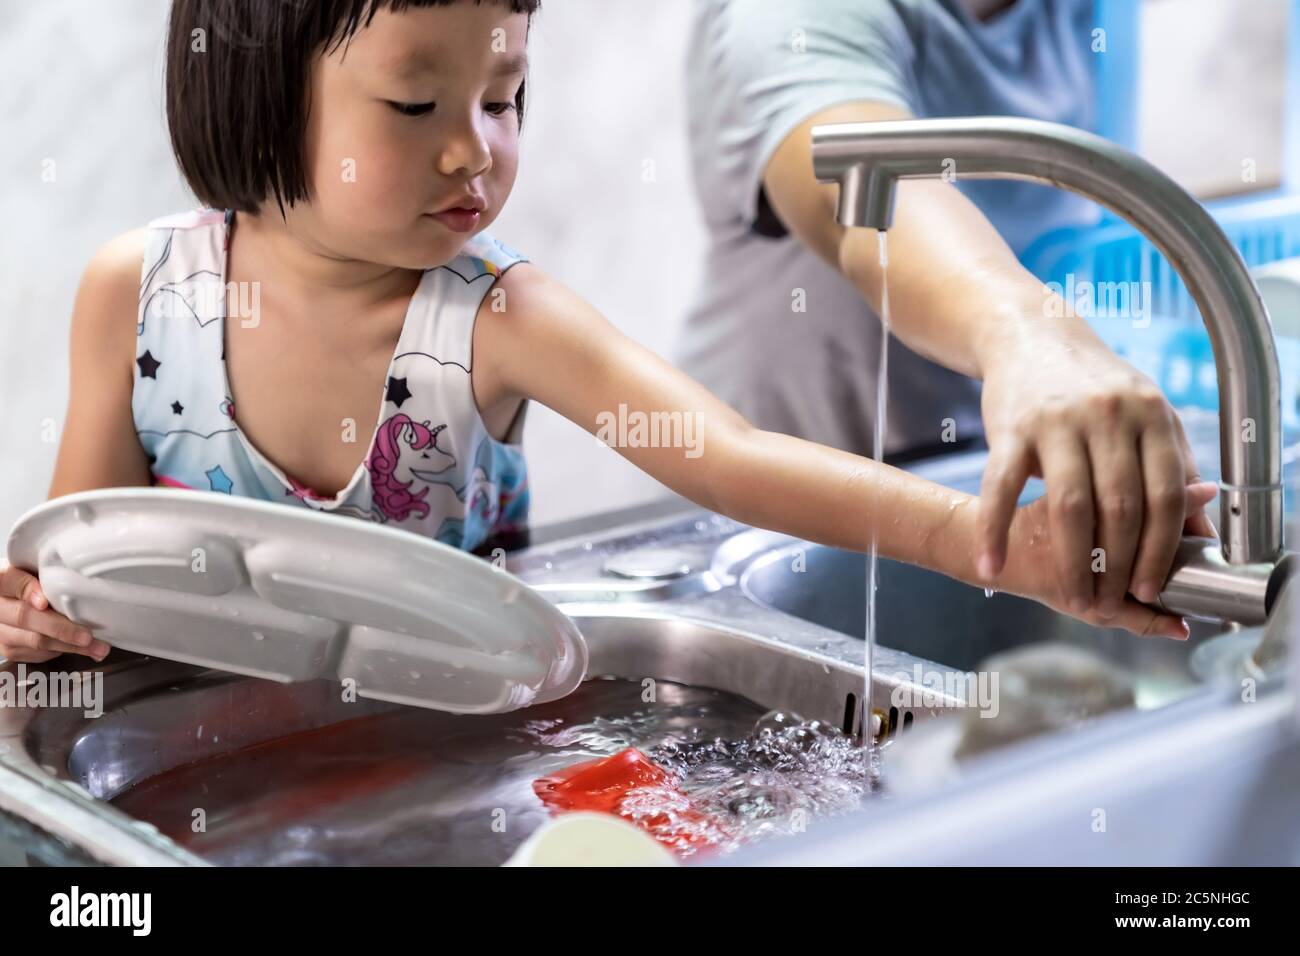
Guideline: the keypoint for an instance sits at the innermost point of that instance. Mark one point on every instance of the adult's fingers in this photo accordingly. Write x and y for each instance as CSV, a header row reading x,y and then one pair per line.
x,y
1199,524
1199,497
1118,495
1071,516
1147,622
1165,486
1005,474
1197,521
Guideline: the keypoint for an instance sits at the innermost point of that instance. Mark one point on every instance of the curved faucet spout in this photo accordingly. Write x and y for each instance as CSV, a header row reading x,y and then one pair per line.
x,y
868,159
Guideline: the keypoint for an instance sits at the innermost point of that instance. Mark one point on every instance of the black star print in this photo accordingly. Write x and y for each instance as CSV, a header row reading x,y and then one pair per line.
x,y
397,391
148,365
177,407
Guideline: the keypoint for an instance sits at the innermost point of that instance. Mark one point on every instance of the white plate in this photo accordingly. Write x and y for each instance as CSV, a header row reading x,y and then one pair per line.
x,y
288,594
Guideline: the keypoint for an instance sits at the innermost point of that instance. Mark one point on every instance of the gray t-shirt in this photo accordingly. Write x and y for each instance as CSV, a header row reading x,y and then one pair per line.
x,y
759,68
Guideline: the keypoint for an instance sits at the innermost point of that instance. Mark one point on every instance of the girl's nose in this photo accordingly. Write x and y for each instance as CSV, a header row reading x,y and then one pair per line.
x,y
467,151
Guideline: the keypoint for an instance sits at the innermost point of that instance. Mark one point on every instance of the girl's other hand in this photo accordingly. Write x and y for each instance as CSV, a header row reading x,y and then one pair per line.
x,y
31,632
1031,571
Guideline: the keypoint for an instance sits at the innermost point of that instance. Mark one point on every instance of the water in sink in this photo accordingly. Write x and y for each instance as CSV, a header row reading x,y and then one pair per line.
x,y
415,786
773,782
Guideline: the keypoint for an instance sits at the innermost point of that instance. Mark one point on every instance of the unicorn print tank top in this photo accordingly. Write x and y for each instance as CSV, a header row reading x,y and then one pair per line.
x,y
431,467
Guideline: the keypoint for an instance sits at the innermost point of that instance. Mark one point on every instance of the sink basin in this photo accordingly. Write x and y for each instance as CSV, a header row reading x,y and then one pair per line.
x,y
293,774
936,618
927,616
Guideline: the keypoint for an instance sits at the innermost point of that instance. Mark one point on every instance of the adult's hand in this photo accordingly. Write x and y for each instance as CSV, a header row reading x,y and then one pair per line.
x,y
1030,570
1059,405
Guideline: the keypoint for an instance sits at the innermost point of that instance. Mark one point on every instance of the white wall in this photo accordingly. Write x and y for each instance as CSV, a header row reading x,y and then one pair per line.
x,y
81,84
607,102
1211,91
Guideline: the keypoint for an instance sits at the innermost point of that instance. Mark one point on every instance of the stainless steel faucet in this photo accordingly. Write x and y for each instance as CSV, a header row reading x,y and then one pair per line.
x,y
1239,577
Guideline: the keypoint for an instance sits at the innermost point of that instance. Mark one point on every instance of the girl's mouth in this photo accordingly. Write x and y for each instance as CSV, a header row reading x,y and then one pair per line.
x,y
458,219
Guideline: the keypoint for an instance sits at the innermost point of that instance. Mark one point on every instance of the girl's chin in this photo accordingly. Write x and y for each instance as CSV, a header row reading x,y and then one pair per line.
x,y
433,252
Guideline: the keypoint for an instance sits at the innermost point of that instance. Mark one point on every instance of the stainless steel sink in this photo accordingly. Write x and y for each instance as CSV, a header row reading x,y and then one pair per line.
x,y
694,601
931,617
291,773
936,618
159,715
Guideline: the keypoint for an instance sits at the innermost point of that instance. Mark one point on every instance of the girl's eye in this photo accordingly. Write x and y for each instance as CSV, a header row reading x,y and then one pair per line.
x,y
412,109
496,109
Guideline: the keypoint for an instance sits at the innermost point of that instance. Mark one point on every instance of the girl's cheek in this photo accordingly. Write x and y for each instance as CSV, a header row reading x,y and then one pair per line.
x,y
371,177
505,167
503,181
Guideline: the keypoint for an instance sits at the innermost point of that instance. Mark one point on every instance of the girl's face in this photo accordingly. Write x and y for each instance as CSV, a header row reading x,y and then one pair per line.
x,y
413,116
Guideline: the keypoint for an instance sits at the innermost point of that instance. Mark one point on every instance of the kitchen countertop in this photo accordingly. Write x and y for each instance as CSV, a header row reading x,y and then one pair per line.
x,y
599,521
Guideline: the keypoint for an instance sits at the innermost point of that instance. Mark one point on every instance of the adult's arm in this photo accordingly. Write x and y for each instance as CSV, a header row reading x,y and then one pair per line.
x,y
1057,402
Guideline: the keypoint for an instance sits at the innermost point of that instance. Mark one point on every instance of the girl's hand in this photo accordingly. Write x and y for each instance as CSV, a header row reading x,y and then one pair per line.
x,y
30,631
1031,571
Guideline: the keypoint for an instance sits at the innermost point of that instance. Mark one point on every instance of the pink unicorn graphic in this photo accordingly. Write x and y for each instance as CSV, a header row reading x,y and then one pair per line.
x,y
393,497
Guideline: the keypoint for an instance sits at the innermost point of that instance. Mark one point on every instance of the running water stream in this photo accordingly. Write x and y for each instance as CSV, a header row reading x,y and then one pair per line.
x,y
877,452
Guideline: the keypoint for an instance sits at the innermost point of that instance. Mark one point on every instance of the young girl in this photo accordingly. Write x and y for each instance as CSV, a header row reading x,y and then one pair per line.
x,y
350,154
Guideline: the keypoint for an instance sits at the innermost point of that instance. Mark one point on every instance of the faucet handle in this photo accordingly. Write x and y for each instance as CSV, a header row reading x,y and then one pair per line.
x,y
1203,584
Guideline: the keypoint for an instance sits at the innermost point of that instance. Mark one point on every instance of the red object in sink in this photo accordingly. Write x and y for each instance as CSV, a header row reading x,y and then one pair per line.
x,y
600,784
604,785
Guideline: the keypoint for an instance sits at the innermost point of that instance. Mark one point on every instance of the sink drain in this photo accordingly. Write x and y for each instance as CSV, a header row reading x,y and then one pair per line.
x,y
649,564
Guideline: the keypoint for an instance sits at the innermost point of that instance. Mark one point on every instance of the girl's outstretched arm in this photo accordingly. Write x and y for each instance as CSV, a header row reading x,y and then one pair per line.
x,y
548,345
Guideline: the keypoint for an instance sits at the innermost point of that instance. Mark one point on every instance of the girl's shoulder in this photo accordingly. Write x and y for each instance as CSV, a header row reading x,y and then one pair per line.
x,y
109,293
103,327
115,266
484,254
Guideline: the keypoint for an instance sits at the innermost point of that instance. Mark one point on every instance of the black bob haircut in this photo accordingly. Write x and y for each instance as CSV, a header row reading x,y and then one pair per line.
x,y
237,112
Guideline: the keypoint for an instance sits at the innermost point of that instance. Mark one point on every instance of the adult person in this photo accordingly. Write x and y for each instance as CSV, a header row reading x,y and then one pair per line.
x,y
786,326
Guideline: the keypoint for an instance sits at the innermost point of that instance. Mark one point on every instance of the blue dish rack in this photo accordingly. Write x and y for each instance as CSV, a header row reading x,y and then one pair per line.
x,y
1169,342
